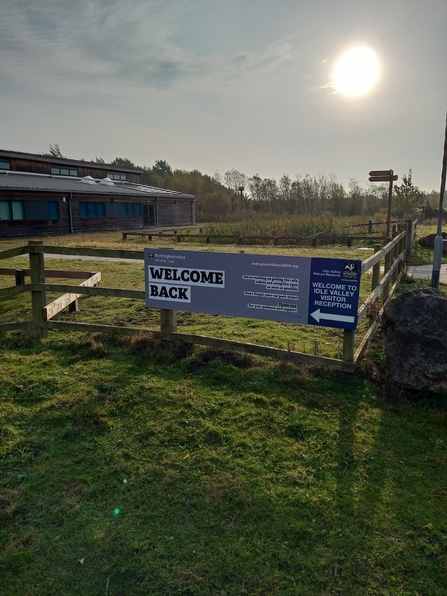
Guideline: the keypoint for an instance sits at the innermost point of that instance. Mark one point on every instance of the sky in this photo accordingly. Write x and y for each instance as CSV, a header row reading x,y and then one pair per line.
x,y
214,85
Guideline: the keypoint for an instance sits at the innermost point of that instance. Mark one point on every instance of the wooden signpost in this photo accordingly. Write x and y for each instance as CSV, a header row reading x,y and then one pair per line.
x,y
385,176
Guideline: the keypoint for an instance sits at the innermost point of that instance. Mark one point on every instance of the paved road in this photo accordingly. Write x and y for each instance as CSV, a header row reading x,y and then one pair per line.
x,y
425,272
85,258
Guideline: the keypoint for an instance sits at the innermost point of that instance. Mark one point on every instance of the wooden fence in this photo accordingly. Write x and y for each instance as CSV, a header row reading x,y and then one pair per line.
x,y
387,266
199,234
251,240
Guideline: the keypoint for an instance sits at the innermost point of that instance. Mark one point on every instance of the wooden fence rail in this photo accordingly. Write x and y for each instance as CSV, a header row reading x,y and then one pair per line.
x,y
393,255
346,239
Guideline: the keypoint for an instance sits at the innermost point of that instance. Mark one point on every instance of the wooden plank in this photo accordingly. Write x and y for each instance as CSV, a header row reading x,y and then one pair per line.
x,y
13,326
373,329
96,328
86,291
363,310
89,252
14,290
365,341
51,273
375,258
376,269
14,252
276,353
38,296
53,308
168,320
348,345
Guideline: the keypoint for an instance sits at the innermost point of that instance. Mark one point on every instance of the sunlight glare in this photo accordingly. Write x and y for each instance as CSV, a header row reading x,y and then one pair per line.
x,y
356,72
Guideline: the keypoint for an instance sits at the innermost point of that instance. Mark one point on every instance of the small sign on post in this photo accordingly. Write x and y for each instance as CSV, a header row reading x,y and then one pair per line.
x,y
385,176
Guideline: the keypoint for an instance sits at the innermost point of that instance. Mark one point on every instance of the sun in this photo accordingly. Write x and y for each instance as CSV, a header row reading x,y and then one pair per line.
x,y
356,72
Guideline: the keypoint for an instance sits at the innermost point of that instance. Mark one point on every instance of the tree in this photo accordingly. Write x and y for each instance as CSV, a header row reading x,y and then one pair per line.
x,y
407,197
355,198
54,152
123,162
162,168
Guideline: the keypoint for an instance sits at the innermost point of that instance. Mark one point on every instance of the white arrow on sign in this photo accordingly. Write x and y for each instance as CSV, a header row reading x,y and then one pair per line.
x,y
317,315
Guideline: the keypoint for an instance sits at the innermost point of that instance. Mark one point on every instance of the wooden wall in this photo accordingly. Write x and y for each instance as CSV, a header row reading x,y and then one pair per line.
x,y
179,213
170,213
44,167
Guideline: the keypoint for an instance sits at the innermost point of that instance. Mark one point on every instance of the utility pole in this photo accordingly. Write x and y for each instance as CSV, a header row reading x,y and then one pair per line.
x,y
437,256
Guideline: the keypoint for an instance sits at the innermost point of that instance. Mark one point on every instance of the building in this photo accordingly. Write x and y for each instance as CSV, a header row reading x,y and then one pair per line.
x,y
47,195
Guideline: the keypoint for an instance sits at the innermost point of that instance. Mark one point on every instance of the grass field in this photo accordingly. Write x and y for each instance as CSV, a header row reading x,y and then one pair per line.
x,y
128,467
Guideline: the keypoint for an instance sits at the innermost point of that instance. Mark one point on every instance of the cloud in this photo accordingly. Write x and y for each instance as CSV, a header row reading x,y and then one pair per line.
x,y
98,45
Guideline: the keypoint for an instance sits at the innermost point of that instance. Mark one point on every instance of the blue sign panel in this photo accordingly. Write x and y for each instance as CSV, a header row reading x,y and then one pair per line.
x,y
282,288
334,292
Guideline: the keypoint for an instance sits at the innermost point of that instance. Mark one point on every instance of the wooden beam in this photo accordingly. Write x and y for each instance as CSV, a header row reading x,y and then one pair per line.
x,y
63,274
96,328
276,353
52,309
168,320
13,326
13,252
90,252
374,327
86,291
38,296
14,290
363,310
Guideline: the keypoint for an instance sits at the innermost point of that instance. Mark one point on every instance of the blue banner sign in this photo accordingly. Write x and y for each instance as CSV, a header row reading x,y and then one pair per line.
x,y
334,292
301,290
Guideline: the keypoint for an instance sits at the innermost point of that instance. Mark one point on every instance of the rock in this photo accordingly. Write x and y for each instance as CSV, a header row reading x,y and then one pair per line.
x,y
429,241
415,332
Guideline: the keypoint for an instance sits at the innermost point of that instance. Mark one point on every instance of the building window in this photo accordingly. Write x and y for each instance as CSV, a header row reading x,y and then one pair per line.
x,y
130,210
117,176
54,210
63,171
5,164
11,210
91,210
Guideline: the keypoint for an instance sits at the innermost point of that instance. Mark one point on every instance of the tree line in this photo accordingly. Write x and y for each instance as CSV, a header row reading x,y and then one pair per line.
x,y
235,195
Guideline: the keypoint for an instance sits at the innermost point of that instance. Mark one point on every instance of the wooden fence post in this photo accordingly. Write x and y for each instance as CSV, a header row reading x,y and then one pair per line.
x,y
348,345
409,244
402,248
20,277
38,297
168,320
386,289
376,269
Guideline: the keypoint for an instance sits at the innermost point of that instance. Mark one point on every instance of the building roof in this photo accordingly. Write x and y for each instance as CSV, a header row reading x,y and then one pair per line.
x,y
65,161
41,182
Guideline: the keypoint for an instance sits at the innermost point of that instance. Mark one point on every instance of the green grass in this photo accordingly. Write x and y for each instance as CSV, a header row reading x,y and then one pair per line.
x,y
242,476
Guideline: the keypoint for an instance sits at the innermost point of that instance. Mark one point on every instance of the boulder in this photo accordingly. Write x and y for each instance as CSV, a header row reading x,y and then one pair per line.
x,y
415,333
429,241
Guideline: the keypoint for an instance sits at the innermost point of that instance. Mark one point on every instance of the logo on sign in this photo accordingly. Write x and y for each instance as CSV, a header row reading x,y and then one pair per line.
x,y
350,270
